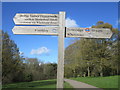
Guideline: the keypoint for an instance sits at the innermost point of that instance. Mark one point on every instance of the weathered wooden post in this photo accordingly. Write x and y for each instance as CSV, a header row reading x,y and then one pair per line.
x,y
61,35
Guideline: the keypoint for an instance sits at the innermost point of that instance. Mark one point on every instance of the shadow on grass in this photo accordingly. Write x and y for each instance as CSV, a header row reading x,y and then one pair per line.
x,y
43,83
29,89
58,89
30,84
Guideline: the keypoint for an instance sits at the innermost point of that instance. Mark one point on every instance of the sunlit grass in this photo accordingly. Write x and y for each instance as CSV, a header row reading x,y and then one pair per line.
x,y
101,82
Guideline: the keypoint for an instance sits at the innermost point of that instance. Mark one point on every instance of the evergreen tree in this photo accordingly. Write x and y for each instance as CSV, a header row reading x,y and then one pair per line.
x,y
10,59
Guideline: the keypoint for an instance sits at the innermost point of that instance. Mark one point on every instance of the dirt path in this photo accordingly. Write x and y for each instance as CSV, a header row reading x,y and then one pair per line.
x,y
80,85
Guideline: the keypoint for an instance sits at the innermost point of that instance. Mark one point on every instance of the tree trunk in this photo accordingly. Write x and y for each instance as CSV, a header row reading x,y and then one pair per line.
x,y
88,71
84,74
117,71
101,73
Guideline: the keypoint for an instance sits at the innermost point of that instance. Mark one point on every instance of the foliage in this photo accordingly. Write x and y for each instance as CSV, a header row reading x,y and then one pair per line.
x,y
93,57
10,60
17,68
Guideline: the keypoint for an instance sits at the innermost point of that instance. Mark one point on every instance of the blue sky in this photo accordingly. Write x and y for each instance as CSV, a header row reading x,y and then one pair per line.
x,y
78,14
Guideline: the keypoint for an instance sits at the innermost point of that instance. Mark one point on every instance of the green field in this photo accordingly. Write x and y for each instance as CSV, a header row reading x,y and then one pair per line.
x,y
36,84
101,82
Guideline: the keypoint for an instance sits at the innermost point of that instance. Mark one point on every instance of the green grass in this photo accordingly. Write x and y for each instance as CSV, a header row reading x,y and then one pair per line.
x,y
67,85
36,84
101,82
33,84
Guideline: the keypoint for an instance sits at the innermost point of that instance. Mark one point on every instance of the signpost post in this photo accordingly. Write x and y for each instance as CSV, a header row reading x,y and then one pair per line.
x,y
61,35
58,28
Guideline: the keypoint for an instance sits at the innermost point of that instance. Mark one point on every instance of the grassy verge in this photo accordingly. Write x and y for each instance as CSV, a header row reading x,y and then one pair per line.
x,y
67,85
101,82
33,84
36,84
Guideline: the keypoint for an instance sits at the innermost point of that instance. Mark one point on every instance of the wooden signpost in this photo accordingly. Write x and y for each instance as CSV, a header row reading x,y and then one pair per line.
x,y
58,28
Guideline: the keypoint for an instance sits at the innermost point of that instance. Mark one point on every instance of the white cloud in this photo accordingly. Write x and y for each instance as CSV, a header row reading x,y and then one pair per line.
x,y
39,51
88,27
21,53
118,21
71,23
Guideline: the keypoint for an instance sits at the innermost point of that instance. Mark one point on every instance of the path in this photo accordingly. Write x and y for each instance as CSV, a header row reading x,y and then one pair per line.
x,y
80,85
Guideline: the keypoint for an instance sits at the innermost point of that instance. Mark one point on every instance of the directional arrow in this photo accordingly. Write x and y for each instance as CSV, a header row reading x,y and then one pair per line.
x,y
35,30
36,19
88,32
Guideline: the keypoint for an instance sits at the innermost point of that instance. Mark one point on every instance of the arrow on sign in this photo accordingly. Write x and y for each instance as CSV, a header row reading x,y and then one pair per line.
x,y
36,19
88,32
35,30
